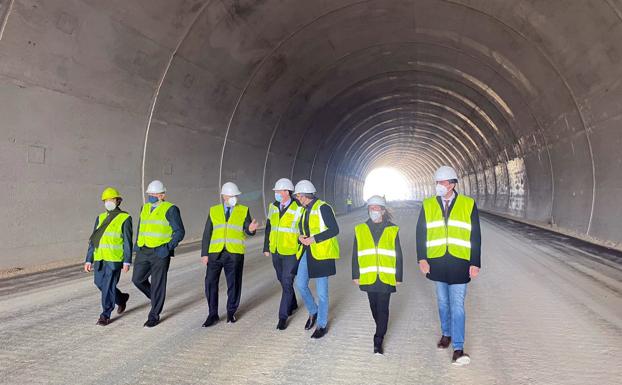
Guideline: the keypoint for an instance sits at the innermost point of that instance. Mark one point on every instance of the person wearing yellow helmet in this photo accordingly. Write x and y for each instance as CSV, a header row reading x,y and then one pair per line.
x,y
109,253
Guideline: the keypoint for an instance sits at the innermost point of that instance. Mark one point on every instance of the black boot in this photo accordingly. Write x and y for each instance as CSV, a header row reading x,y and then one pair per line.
x,y
282,325
319,332
231,318
311,322
210,321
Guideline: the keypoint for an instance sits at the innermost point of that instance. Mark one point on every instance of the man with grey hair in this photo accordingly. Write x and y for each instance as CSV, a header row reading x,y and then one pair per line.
x,y
320,248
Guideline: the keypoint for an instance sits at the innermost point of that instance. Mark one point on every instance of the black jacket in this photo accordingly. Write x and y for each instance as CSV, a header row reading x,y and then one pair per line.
x,y
326,267
207,235
450,269
376,232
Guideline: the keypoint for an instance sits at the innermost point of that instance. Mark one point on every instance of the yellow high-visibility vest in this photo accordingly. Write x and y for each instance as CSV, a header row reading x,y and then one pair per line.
x,y
327,249
453,235
111,243
376,260
154,230
284,229
228,234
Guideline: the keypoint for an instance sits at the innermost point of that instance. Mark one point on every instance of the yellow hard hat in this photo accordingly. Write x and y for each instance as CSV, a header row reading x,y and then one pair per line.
x,y
110,193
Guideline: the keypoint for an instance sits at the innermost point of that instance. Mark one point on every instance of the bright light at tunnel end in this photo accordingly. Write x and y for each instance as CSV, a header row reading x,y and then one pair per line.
x,y
388,182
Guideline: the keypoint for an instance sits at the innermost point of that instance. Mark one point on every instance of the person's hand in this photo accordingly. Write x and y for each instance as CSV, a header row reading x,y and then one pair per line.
x,y
356,282
424,266
204,260
126,268
473,271
266,253
253,226
301,238
88,267
398,283
307,240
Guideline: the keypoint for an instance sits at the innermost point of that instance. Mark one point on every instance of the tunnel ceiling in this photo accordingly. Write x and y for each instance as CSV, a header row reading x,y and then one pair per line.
x,y
330,90
523,98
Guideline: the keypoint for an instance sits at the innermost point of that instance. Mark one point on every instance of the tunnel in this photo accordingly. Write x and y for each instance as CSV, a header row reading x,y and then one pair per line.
x,y
523,98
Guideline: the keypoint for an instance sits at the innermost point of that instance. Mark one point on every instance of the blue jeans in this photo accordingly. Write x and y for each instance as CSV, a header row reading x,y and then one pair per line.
x,y
321,286
450,300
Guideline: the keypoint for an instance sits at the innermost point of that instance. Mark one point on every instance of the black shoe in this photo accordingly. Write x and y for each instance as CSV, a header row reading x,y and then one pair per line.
x,y
103,321
444,342
292,310
231,318
319,333
210,321
282,325
311,322
150,323
460,359
378,349
122,305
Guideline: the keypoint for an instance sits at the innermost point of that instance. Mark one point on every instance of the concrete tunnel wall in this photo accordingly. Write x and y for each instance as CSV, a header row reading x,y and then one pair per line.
x,y
524,98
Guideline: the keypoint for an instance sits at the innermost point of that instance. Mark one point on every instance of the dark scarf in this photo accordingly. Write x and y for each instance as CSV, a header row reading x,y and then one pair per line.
x,y
96,237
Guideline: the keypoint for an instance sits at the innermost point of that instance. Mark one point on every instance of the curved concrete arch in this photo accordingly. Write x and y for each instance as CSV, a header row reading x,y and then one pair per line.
x,y
205,90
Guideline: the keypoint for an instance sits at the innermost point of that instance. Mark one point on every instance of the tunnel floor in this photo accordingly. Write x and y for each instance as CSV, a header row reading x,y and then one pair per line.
x,y
543,311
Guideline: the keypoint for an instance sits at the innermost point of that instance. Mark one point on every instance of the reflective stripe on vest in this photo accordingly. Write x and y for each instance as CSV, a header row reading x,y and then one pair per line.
x,y
453,237
284,229
229,234
111,243
376,260
154,228
327,249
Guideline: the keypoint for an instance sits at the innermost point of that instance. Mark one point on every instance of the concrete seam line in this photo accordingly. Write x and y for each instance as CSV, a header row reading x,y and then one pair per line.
x,y
156,93
5,18
265,166
258,68
616,10
574,100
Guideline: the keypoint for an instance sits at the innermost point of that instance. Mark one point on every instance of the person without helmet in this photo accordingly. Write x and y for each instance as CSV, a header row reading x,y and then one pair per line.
x,y
109,253
320,249
223,247
448,251
160,230
377,263
281,240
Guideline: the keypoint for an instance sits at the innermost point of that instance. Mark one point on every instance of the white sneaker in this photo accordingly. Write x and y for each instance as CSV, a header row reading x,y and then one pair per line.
x,y
460,359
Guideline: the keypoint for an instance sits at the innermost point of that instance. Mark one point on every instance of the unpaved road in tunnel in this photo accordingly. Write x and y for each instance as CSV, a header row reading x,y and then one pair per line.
x,y
543,311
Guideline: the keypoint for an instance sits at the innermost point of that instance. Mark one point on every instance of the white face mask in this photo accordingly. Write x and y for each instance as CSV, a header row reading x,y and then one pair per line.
x,y
441,190
375,216
110,205
232,201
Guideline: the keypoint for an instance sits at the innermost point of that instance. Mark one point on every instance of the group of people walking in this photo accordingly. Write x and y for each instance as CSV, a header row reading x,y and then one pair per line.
x,y
301,238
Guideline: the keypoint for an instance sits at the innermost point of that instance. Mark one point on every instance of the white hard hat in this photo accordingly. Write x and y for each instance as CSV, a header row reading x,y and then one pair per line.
x,y
283,184
376,200
304,187
445,173
156,187
230,189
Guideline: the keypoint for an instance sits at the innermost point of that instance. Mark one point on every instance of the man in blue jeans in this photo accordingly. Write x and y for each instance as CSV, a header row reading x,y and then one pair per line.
x,y
320,248
449,253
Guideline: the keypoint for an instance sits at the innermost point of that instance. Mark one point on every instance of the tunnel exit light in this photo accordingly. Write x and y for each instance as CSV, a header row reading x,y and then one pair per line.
x,y
388,182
